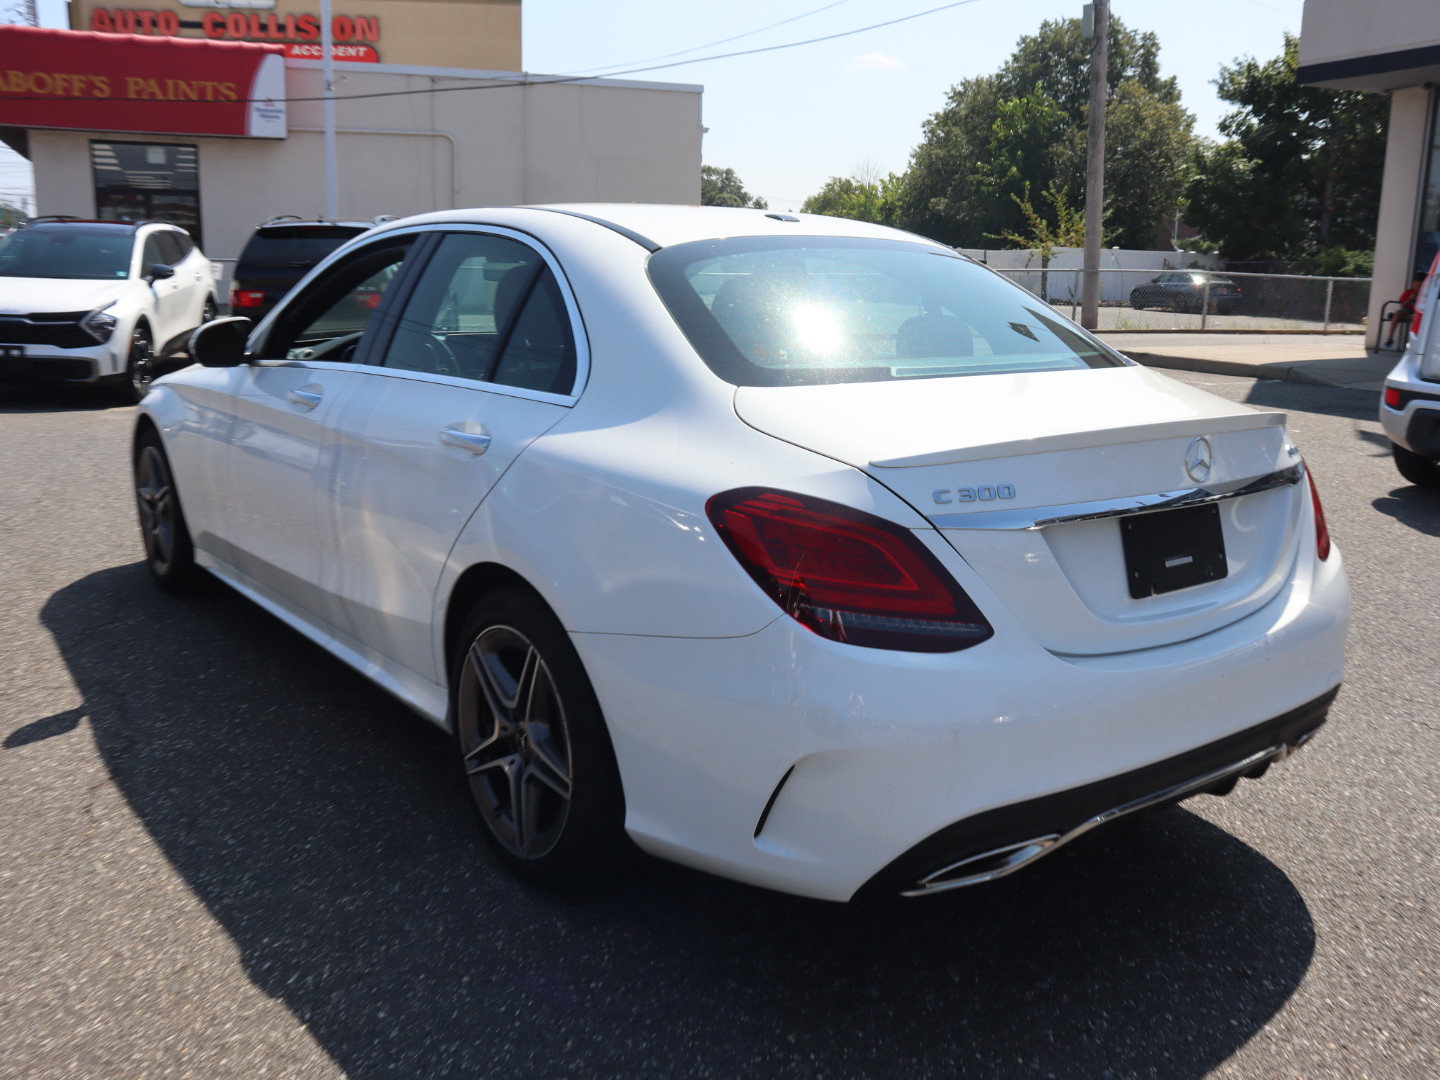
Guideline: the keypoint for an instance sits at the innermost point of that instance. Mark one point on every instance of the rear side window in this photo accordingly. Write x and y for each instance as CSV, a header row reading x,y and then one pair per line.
x,y
811,310
291,247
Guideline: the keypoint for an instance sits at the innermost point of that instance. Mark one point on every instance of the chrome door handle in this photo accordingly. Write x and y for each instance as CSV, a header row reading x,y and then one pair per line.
x,y
306,398
473,441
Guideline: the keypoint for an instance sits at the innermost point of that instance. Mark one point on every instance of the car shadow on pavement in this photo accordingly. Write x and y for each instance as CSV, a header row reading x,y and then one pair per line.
x,y
327,830
1307,397
1414,507
25,397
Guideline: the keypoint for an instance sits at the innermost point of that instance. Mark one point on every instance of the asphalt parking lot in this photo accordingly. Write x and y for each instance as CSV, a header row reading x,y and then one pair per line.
x,y
227,855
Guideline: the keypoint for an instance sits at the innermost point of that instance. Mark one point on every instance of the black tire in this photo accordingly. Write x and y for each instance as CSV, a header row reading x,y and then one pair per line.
x,y
533,745
139,365
208,311
169,552
1419,470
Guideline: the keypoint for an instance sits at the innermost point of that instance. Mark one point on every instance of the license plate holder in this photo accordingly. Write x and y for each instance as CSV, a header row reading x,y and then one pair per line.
x,y
1173,549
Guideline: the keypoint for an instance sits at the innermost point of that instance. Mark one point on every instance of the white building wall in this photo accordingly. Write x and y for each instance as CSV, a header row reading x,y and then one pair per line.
x,y
596,141
1400,193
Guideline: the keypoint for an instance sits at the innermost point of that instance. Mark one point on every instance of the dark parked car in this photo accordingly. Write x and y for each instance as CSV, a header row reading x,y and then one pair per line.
x,y
281,252
1184,290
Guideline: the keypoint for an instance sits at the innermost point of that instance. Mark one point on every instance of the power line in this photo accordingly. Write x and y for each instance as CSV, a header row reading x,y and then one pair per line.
x,y
723,41
544,80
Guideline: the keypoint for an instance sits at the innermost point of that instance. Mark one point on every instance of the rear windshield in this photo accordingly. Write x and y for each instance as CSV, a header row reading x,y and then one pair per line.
x,y
293,248
67,251
810,310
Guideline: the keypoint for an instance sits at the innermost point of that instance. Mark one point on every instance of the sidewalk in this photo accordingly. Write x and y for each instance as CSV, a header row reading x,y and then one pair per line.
x,y
1323,359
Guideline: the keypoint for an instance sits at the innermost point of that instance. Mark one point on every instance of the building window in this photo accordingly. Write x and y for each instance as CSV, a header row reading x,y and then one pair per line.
x,y
147,181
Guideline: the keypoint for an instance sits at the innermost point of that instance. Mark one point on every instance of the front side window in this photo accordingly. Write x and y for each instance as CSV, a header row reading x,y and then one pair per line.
x,y
67,251
766,312
327,321
153,253
487,308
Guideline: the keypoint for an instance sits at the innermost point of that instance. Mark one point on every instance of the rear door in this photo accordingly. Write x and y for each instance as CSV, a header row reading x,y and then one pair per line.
x,y
485,356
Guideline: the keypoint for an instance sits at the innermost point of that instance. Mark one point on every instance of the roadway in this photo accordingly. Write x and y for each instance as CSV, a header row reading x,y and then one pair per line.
x,y
226,855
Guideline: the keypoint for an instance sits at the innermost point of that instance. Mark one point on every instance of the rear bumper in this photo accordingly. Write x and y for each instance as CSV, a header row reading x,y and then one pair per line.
x,y
803,765
999,842
1415,424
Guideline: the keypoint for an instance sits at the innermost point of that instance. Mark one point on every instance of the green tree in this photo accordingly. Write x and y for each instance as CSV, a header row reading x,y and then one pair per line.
x,y
856,198
1067,229
1027,123
1148,149
721,187
1298,178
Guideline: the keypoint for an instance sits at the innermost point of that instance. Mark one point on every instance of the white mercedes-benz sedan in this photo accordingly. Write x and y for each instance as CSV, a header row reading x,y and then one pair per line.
x,y
802,551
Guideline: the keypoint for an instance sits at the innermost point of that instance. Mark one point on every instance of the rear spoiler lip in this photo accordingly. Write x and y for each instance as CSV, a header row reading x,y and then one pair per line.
x,y
1090,437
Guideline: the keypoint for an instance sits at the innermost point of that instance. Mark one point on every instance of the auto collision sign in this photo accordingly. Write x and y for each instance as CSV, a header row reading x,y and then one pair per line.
x,y
354,37
101,82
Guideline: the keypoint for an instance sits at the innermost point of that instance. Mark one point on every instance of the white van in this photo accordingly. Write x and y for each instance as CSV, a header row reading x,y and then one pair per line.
x,y
1410,406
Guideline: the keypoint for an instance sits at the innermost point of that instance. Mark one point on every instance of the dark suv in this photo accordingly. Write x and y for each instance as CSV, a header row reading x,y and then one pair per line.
x,y
281,252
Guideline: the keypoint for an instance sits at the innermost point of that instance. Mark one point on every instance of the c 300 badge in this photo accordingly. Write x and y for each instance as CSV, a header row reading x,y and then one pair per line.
x,y
983,493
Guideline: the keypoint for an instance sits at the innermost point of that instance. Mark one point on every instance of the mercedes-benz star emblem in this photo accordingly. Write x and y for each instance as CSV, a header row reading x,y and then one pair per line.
x,y
1198,457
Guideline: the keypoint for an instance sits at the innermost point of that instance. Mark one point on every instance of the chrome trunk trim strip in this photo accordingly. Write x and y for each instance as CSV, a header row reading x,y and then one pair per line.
x,y
1044,517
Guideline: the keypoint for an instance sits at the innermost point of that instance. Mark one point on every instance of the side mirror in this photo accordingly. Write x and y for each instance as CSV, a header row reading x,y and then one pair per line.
x,y
159,272
221,342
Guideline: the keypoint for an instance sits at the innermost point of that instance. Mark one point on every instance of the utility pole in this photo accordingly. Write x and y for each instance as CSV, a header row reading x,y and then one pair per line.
x,y
1097,25
327,46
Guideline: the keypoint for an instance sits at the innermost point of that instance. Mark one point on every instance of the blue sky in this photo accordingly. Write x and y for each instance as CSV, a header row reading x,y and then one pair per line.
x,y
788,120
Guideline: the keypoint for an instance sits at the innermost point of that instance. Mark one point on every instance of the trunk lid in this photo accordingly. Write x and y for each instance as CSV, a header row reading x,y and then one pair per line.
x,y
1039,480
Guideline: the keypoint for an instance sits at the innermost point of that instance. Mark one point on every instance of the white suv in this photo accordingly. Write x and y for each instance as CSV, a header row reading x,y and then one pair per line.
x,y
86,301
1410,410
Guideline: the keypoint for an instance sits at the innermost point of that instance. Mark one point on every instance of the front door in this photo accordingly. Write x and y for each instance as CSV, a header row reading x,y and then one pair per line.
x,y
483,359
280,462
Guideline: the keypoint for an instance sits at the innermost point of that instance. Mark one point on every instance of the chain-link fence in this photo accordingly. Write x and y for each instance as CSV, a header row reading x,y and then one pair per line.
x,y
1207,300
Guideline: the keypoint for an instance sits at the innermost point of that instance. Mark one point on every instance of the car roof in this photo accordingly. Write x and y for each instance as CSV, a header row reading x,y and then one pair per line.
x,y
289,222
93,224
662,225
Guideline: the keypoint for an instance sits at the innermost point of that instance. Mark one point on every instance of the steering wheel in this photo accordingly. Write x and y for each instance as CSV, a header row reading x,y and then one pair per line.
x,y
442,359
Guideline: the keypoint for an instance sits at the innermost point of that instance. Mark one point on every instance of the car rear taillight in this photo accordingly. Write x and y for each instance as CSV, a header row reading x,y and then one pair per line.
x,y
246,298
845,574
1322,531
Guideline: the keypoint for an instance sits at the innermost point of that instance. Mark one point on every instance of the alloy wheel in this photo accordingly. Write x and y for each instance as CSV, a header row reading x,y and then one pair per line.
x,y
515,742
159,521
142,362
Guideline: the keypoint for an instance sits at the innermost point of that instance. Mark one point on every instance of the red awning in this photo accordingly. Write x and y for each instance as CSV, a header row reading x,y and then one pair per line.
x,y
154,85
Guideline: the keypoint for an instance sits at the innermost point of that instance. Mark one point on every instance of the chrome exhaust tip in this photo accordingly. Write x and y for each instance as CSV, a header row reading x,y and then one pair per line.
x,y
1003,861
